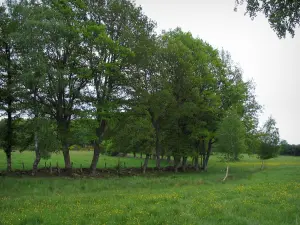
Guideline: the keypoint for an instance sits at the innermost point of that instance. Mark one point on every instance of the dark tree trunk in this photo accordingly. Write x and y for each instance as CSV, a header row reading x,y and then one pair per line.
x,y
209,149
63,131
37,155
157,146
184,161
8,161
157,162
9,101
9,134
202,154
141,155
95,159
196,163
176,163
36,141
9,137
36,162
168,159
155,125
146,163
8,148
67,158
134,155
236,156
100,132
201,161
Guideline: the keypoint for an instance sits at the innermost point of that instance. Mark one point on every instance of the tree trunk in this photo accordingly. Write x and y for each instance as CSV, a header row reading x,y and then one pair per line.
x,y
37,155
158,162
236,156
95,159
67,158
9,137
99,132
8,161
226,175
36,141
134,155
141,155
9,101
184,161
36,162
176,164
146,163
196,163
262,165
201,161
202,153
205,163
168,158
157,145
63,131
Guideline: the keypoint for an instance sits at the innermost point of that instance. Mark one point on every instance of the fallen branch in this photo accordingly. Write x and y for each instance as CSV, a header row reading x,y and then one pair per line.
x,y
226,175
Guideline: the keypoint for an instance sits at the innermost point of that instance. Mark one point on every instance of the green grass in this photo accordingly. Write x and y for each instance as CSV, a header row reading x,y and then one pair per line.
x,y
249,196
77,157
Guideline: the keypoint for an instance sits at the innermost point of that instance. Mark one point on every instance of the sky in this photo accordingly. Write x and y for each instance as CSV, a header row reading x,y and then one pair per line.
x,y
271,62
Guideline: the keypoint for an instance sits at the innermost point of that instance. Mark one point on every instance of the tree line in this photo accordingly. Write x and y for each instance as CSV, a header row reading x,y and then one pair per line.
x,y
96,72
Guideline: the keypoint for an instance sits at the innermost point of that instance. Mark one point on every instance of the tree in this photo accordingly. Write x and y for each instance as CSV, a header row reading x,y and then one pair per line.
x,y
54,48
283,16
135,133
270,141
113,60
82,131
39,127
43,144
287,149
194,69
231,136
9,75
284,146
151,89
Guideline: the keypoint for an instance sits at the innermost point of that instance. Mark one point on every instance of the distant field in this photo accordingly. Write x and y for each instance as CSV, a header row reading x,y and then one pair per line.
x,y
77,157
84,158
250,196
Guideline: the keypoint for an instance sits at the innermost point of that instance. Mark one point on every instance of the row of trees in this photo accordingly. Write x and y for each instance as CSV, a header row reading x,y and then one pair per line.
x,y
288,149
98,68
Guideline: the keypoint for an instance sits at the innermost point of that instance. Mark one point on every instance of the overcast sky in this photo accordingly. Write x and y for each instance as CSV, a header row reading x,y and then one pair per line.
x,y
271,62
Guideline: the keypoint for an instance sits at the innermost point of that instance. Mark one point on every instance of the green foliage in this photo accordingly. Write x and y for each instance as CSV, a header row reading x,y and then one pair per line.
x,y
98,70
231,136
288,149
191,114
283,16
134,134
269,140
82,131
24,136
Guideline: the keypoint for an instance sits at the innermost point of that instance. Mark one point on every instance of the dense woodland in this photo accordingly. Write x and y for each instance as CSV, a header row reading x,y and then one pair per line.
x,y
95,74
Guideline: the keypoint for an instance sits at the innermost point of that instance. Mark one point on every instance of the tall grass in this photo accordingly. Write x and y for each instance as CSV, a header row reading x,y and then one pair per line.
x,y
249,196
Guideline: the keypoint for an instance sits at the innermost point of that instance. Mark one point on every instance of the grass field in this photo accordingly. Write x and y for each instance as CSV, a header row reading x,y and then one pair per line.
x,y
250,196
77,157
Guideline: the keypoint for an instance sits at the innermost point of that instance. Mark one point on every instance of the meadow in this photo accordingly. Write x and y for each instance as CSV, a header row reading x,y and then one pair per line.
x,y
249,196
